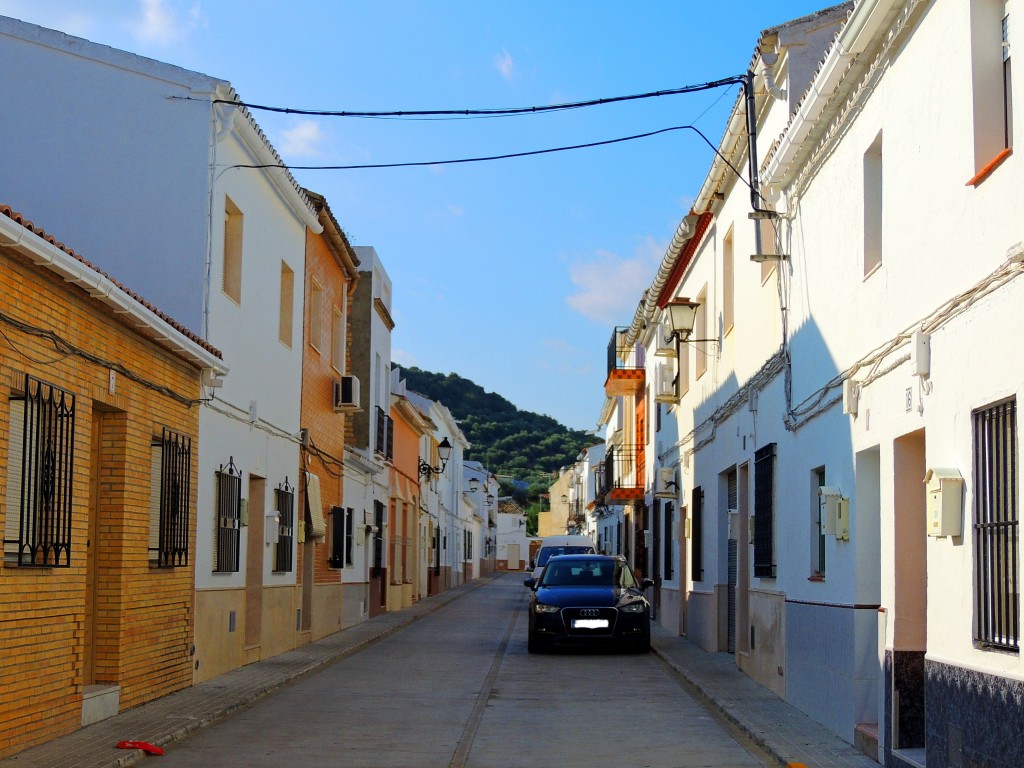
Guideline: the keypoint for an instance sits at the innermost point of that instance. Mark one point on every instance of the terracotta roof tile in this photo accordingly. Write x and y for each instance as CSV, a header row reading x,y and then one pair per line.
x,y
18,218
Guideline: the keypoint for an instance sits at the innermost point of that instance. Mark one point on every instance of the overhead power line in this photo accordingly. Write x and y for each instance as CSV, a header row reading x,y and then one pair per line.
x,y
502,112
421,163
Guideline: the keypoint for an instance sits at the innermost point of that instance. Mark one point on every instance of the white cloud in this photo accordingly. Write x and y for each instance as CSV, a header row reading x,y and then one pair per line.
x,y
505,65
304,139
163,25
609,286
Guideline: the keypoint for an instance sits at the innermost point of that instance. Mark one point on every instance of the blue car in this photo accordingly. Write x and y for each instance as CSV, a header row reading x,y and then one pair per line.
x,y
589,600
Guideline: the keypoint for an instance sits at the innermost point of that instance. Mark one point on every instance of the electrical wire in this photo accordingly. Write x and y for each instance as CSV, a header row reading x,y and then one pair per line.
x,y
501,112
511,155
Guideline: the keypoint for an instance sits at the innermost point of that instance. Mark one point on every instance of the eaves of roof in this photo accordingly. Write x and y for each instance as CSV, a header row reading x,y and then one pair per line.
x,y
35,244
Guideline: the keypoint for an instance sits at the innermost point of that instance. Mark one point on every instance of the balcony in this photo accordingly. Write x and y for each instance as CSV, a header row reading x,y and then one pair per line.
x,y
621,479
625,367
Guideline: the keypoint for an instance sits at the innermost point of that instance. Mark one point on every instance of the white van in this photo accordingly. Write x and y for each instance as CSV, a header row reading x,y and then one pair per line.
x,y
560,545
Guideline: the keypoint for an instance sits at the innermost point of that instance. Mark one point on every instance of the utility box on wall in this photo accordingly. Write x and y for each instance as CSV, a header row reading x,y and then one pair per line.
x,y
944,505
834,512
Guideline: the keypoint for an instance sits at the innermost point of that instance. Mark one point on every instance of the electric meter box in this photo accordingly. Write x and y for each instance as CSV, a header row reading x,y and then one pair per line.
x,y
834,512
944,506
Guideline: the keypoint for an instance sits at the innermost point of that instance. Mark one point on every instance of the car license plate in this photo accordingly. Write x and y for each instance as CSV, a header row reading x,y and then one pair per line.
x,y
590,623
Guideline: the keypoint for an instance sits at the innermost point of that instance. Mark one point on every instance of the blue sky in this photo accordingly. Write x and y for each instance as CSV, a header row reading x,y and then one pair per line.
x,y
511,273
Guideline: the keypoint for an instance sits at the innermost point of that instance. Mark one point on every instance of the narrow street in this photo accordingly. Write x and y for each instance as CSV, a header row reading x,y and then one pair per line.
x,y
458,688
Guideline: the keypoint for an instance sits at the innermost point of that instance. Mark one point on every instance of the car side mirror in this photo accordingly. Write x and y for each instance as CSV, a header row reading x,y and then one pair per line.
x,y
645,583
531,583
533,563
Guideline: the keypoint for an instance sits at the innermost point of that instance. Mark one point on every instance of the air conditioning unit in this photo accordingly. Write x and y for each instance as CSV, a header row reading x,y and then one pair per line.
x,y
665,486
346,393
665,384
664,342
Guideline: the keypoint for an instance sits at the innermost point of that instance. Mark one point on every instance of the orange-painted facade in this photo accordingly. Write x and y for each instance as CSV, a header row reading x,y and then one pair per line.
x,y
404,534
329,281
107,629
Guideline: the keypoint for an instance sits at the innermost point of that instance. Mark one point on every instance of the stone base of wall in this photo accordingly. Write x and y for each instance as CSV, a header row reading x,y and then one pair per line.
x,y
973,719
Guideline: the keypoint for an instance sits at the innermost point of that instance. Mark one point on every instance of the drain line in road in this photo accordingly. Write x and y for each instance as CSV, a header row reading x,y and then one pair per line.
x,y
461,755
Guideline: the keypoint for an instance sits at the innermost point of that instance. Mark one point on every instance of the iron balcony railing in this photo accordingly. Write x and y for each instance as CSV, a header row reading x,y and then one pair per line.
x,y
619,471
619,353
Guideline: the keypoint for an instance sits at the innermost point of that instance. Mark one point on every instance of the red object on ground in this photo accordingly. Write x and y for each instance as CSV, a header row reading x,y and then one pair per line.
x,y
145,746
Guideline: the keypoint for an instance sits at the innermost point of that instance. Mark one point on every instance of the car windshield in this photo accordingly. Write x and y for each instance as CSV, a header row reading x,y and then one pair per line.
x,y
582,573
546,553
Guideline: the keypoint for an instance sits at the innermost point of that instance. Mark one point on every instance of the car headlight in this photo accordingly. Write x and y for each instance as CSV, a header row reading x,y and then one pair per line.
x,y
637,607
542,608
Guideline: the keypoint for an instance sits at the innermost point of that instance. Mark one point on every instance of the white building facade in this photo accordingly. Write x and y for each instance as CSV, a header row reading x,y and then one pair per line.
x,y
845,443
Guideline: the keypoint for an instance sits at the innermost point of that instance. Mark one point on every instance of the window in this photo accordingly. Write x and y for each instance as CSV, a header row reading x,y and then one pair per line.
x,y
728,282
341,537
996,527
284,496
227,519
338,340
873,206
170,491
817,524
991,85
764,512
231,280
316,308
697,535
700,331
39,476
467,544
669,548
378,537
287,304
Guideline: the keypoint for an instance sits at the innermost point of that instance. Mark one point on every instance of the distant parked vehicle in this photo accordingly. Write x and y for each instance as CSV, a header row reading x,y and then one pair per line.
x,y
587,600
560,545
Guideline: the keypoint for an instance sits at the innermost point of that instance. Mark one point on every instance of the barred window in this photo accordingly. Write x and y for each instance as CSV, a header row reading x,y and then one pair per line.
x,y
697,535
227,518
40,471
170,491
341,537
284,495
764,512
996,527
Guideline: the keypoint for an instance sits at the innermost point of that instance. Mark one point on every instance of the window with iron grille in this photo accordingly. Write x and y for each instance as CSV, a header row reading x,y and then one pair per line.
x,y
284,495
341,537
384,444
378,537
39,476
764,512
669,550
227,519
996,527
697,535
170,489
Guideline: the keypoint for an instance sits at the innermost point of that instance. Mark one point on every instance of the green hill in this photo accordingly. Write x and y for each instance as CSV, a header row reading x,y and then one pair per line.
x,y
506,440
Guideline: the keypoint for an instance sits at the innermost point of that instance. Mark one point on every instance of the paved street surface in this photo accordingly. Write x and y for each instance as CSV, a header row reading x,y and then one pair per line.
x,y
449,683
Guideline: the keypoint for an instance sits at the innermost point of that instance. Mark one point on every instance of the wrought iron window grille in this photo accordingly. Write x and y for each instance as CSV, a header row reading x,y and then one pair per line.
x,y
173,457
40,476
228,518
285,497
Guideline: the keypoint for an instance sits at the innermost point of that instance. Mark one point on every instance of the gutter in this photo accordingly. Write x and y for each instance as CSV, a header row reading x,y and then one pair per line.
x,y
857,34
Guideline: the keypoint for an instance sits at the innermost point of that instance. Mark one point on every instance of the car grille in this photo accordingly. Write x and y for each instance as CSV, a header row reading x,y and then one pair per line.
x,y
571,615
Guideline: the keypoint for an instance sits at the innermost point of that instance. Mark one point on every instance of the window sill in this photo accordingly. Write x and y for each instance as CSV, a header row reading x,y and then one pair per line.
x,y
986,171
817,577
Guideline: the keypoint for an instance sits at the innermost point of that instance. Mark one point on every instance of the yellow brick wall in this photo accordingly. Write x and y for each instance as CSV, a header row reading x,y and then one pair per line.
x,y
141,617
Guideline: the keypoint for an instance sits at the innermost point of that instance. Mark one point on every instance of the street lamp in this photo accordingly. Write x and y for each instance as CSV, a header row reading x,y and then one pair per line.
x,y
682,313
444,452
